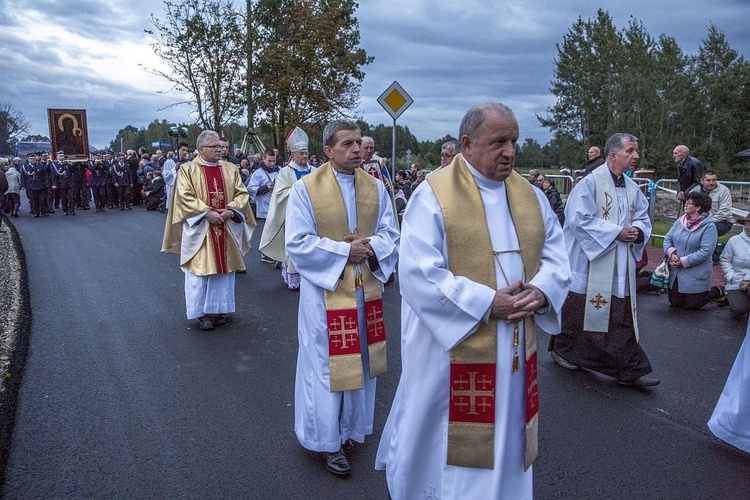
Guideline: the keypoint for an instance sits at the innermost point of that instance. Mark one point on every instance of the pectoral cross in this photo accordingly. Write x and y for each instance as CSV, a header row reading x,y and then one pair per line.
x,y
216,196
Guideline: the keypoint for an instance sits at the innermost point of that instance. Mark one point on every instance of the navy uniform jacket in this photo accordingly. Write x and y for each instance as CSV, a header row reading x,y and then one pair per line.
x,y
34,176
99,173
120,173
61,176
77,172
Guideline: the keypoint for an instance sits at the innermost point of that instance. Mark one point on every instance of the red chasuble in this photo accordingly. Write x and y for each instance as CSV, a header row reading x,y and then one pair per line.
x,y
217,199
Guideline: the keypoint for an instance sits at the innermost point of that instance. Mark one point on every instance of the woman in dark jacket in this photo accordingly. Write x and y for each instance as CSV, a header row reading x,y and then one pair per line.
x,y
553,195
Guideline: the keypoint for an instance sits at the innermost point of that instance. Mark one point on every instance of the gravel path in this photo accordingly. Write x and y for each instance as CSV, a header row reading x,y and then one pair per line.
x,y
15,322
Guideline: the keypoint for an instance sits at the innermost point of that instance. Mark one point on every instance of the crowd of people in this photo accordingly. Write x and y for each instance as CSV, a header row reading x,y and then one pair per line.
x,y
107,181
468,427
337,229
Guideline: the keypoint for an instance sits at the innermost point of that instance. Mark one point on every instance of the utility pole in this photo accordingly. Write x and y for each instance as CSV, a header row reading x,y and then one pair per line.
x,y
249,92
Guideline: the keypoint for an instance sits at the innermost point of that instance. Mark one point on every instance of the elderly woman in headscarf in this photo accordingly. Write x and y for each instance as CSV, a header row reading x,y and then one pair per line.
x,y
688,247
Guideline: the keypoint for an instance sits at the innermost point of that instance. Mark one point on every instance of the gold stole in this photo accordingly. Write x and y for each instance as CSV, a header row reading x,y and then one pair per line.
x,y
473,362
344,354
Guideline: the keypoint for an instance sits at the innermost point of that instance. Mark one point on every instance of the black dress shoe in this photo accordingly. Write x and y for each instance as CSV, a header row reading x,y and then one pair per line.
x,y
219,319
348,446
563,362
205,323
337,463
643,381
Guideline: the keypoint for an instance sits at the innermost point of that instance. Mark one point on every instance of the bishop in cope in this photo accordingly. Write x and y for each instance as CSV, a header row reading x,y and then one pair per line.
x,y
341,235
482,265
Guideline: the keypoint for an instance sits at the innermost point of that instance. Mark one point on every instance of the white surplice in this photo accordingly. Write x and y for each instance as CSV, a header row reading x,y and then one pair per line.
x,y
588,237
730,420
260,178
324,420
438,311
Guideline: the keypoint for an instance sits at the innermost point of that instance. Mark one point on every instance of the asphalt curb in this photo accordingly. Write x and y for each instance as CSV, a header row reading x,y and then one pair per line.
x,y
16,349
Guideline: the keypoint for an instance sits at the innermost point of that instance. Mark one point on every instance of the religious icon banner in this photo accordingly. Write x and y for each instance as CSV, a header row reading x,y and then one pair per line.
x,y
68,132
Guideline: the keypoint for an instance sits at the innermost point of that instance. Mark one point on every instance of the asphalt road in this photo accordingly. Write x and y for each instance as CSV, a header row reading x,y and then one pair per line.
x,y
122,397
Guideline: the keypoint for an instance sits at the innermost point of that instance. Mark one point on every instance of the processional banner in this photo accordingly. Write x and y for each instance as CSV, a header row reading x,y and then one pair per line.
x,y
68,132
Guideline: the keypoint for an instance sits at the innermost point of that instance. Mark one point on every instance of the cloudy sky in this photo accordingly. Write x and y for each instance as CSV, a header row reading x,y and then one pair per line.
x,y
448,55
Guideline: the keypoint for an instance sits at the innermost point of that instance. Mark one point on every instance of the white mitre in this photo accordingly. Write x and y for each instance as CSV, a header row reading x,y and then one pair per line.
x,y
296,139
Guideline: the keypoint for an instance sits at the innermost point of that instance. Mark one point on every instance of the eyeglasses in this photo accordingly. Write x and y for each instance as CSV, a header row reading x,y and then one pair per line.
x,y
216,146
445,155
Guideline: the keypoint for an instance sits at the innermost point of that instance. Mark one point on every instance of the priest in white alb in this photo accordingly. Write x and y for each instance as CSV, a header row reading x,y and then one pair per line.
x,y
482,265
209,224
606,229
272,241
341,235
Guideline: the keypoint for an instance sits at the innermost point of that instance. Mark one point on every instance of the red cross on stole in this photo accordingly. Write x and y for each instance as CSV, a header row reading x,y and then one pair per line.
x,y
375,323
343,332
472,396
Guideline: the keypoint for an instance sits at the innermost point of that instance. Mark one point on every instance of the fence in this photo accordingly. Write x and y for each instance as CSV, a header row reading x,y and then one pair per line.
x,y
663,204
662,196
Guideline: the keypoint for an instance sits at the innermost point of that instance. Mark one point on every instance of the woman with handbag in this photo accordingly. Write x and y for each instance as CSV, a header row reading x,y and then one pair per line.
x,y
735,262
688,247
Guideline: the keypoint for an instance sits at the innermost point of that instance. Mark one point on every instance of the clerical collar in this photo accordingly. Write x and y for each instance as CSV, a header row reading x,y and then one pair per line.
x,y
481,179
335,170
209,163
619,181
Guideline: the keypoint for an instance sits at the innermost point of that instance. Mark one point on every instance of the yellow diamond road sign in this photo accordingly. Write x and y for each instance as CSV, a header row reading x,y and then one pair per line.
x,y
395,100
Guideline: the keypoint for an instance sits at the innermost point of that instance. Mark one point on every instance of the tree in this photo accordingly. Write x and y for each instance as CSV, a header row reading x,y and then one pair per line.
x,y
132,138
200,41
308,66
723,80
608,81
586,70
530,155
12,124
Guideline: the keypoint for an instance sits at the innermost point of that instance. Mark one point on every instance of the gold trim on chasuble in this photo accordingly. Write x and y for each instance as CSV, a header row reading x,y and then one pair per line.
x,y
344,354
473,362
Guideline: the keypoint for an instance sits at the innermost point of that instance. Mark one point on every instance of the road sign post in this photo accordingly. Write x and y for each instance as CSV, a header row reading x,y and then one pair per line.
x,y
394,100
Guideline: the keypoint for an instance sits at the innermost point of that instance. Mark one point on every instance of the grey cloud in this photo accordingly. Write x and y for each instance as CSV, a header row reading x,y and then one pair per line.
x,y
449,56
